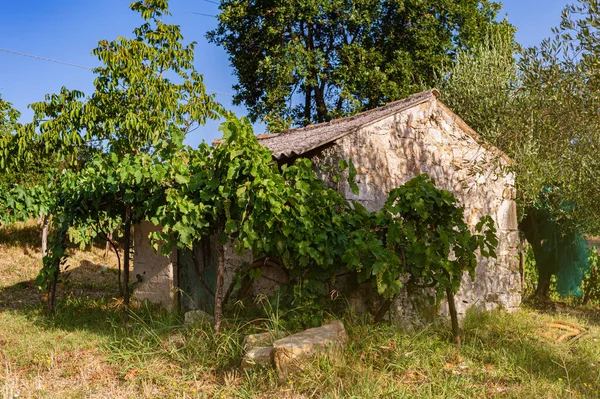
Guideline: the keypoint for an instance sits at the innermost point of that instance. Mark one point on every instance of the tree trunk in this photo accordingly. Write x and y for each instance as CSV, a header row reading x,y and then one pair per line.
x,y
54,278
307,104
177,284
45,225
52,293
126,255
318,87
536,229
542,291
586,297
112,244
322,114
453,316
220,282
590,286
108,245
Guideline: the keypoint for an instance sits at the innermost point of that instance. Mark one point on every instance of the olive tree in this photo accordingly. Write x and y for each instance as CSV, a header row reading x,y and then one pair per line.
x,y
540,105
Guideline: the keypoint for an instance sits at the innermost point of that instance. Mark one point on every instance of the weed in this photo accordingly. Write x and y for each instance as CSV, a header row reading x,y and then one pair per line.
x,y
89,349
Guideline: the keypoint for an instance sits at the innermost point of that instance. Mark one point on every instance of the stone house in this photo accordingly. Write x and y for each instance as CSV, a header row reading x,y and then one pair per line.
x,y
388,146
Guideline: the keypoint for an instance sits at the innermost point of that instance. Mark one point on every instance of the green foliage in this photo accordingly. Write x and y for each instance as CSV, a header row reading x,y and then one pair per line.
x,y
119,141
541,110
286,214
137,105
17,168
480,85
591,281
420,231
563,127
302,62
540,105
8,126
19,203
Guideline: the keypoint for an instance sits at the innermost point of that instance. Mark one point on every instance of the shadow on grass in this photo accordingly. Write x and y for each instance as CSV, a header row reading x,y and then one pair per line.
x,y
27,235
87,298
589,313
496,340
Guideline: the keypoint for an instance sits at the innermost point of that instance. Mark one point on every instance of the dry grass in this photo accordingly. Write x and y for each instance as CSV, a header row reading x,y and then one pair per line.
x,y
36,358
89,350
86,272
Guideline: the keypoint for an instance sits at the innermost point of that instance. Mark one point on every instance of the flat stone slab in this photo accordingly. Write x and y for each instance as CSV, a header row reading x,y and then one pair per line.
x,y
289,352
258,357
262,339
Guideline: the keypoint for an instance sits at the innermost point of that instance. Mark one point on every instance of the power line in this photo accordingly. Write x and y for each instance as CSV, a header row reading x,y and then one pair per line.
x,y
194,12
220,92
213,2
45,59
37,57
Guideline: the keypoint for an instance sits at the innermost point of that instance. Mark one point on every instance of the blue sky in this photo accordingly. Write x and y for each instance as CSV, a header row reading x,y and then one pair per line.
x,y
67,30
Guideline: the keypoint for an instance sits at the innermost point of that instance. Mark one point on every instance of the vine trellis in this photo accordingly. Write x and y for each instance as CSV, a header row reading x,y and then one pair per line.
x,y
122,160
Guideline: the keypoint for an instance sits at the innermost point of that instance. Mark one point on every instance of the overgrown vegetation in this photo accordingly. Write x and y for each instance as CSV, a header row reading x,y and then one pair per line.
x,y
87,350
540,105
142,171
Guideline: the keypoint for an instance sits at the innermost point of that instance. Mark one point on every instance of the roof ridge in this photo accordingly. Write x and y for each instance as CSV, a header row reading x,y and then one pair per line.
x,y
408,100
298,141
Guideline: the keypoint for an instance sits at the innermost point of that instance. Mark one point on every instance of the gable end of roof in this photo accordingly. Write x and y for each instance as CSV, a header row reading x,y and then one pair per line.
x,y
295,142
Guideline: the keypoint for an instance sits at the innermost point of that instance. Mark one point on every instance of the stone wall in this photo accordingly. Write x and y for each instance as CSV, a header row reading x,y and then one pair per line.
x,y
160,276
431,139
155,274
424,139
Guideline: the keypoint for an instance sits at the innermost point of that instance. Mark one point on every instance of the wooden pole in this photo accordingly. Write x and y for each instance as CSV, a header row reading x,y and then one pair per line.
x,y
220,282
45,225
126,255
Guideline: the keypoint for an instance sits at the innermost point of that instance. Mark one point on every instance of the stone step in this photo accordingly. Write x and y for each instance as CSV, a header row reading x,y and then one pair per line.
x,y
289,353
262,339
258,357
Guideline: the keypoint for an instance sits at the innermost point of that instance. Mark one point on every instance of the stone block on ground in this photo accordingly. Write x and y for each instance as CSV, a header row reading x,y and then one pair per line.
x,y
290,352
258,357
195,316
262,339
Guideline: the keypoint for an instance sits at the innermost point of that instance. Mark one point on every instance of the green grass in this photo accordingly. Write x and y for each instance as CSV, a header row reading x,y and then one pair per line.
x,y
89,349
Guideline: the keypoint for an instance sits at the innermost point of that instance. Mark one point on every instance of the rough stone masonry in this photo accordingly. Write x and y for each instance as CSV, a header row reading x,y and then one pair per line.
x,y
389,146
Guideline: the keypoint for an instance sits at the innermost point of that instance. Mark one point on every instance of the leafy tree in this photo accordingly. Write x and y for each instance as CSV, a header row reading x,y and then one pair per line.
x,y
303,62
26,177
13,168
8,124
543,111
147,98
482,87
